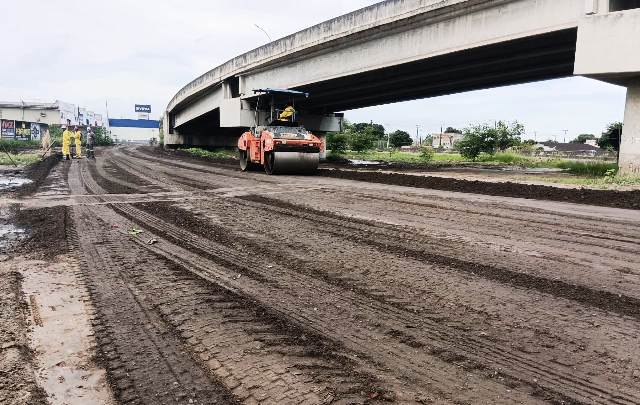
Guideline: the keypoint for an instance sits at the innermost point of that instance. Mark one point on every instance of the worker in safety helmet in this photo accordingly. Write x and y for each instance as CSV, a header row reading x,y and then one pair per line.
x,y
66,143
287,114
78,136
90,143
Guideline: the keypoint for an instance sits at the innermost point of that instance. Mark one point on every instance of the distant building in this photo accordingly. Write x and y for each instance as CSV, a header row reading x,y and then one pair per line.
x,y
445,140
22,120
134,130
569,149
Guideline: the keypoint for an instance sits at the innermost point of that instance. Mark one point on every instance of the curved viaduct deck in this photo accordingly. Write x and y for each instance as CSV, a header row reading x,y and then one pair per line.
x,y
400,50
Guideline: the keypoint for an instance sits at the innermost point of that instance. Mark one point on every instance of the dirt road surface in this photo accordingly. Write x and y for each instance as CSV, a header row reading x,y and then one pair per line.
x,y
214,286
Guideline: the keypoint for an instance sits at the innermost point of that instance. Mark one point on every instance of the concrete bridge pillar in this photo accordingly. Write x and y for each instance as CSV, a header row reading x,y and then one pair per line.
x,y
630,141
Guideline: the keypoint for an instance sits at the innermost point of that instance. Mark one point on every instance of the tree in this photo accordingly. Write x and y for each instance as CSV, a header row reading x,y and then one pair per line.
x,y
375,131
485,138
400,138
582,138
337,142
361,142
508,136
451,130
610,138
477,139
101,137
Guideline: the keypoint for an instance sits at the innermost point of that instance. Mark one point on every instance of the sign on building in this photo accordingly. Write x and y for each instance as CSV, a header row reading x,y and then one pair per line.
x,y
143,108
23,131
8,130
36,131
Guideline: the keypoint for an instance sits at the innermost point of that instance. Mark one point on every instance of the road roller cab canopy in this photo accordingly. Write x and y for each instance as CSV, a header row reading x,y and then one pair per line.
x,y
279,100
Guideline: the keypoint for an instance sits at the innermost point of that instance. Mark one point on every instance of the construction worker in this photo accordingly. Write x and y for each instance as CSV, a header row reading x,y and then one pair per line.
x,y
66,143
78,136
287,114
90,144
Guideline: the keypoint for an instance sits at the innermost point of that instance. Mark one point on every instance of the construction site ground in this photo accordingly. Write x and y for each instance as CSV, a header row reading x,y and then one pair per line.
x,y
154,278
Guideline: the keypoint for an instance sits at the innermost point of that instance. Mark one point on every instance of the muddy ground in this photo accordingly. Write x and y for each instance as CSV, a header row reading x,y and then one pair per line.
x,y
207,285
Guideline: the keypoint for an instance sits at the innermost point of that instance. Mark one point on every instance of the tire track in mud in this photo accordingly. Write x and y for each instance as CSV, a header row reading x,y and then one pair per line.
x,y
145,362
577,251
410,340
322,367
453,356
448,355
447,380
370,233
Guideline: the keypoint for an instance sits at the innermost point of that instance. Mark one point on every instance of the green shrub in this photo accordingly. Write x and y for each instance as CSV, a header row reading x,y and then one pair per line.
x,y
426,153
361,142
337,143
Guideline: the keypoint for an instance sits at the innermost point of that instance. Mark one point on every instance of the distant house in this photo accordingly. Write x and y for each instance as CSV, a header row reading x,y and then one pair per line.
x,y
445,140
568,149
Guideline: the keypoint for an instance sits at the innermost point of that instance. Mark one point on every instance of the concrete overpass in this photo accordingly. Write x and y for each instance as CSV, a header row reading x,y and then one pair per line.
x,y
400,50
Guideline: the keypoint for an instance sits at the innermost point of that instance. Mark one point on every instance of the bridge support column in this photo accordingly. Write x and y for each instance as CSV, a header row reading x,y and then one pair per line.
x,y
630,140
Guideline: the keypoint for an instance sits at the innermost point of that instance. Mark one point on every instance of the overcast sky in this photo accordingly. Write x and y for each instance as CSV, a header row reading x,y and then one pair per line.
x,y
143,51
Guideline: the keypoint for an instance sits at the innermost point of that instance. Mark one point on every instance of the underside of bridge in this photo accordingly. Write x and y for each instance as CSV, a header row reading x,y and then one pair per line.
x,y
535,58
205,130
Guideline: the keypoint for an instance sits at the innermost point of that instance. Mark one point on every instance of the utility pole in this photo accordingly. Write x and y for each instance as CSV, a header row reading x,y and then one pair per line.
x,y
565,135
418,133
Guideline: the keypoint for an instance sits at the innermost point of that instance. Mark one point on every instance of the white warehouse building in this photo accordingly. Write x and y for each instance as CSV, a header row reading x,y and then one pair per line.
x,y
130,130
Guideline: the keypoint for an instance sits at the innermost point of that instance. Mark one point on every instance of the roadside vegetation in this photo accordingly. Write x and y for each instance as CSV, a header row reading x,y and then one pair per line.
x,y
15,147
497,144
211,154
20,159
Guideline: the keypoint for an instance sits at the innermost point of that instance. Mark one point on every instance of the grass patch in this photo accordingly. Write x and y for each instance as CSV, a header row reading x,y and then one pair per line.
x,y
401,157
212,154
14,146
596,168
19,159
599,182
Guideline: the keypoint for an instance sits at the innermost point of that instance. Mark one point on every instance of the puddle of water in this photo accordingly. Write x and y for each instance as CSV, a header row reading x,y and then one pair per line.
x,y
11,182
62,336
10,234
363,162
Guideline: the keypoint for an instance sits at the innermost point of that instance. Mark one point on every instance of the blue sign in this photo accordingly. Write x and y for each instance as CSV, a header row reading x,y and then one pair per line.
x,y
143,108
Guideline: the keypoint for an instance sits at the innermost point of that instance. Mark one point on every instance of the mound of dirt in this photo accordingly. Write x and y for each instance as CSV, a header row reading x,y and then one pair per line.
x,y
46,229
37,173
605,198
